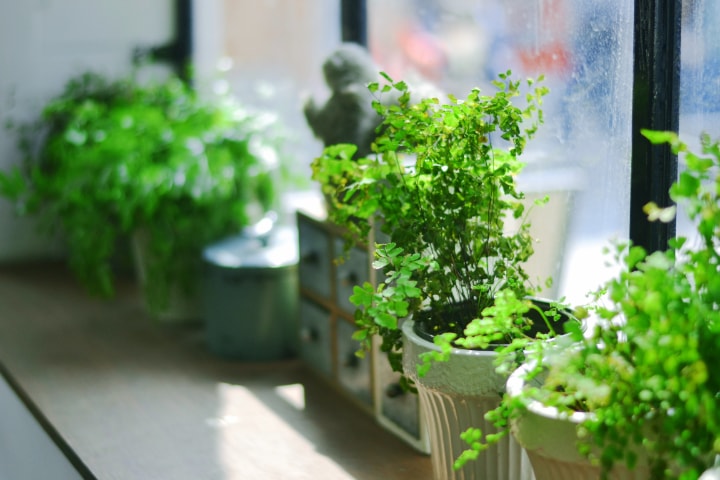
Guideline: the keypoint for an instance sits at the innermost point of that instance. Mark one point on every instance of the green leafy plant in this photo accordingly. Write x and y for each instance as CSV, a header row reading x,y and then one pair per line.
x,y
113,158
519,331
440,187
645,371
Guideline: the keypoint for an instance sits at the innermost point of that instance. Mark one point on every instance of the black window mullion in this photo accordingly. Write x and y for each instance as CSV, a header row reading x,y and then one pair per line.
x,y
178,52
656,87
353,21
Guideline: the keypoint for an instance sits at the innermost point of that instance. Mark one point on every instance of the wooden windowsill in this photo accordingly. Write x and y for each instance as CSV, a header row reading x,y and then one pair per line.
x,y
127,398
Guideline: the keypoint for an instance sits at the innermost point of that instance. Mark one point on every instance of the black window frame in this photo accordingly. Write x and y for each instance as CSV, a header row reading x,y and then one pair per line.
x,y
655,106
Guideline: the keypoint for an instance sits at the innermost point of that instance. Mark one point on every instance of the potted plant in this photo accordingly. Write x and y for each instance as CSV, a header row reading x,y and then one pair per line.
x,y
114,159
440,190
636,396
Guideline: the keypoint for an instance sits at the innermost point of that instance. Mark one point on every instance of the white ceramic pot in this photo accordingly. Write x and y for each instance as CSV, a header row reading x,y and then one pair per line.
x,y
550,439
711,474
454,396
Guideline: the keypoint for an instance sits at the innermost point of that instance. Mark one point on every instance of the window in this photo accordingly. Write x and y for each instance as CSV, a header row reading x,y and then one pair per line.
x,y
699,76
270,52
581,156
584,156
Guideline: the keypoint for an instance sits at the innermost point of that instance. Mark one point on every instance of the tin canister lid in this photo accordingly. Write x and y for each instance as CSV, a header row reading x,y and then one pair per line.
x,y
275,249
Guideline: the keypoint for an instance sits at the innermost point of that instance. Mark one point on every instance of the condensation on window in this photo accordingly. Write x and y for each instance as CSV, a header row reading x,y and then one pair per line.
x,y
581,156
700,65
269,54
699,80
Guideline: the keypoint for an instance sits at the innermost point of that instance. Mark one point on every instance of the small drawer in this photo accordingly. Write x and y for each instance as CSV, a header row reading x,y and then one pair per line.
x,y
354,270
315,262
315,337
399,407
353,371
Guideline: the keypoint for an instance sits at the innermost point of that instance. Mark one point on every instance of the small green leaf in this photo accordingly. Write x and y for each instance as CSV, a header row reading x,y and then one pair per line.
x,y
687,186
659,137
655,213
386,320
363,295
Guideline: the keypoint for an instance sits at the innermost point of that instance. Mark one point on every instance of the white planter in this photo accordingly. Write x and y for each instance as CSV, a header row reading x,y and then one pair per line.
x,y
550,439
711,474
454,396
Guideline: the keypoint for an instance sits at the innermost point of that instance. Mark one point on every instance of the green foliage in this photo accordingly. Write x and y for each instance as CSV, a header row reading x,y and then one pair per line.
x,y
515,328
441,186
110,158
645,370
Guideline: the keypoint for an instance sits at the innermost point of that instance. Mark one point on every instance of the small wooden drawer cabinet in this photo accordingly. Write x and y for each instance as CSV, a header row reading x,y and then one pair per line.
x,y
327,325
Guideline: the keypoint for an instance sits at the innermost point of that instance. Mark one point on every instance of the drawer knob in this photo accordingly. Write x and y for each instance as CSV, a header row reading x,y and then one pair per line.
x,y
309,334
311,258
351,361
350,279
394,390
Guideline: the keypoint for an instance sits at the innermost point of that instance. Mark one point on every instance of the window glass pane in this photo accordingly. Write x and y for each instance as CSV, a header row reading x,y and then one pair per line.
x,y
272,53
582,153
699,78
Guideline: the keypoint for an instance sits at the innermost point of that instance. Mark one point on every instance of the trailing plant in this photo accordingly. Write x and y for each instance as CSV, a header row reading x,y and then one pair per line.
x,y
518,331
645,371
440,188
111,158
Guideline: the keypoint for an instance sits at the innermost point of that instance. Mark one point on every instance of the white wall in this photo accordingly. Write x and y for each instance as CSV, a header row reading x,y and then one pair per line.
x,y
42,44
276,49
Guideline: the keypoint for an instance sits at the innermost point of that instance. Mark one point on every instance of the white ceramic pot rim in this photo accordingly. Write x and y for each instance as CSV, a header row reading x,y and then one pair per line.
x,y
515,385
409,331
